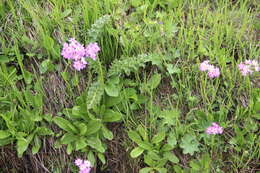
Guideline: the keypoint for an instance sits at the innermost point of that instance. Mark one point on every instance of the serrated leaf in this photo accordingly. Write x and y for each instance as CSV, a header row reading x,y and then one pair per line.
x,y
69,148
172,141
189,144
94,95
136,152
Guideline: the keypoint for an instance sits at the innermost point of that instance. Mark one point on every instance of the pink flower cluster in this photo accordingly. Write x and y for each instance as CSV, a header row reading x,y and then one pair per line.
x,y
213,71
248,67
84,165
214,129
77,52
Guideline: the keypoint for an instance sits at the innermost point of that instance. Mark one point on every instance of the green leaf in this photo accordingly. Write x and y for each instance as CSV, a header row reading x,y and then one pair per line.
x,y
154,81
136,152
102,158
69,148
142,132
145,170
67,138
145,145
93,127
82,128
65,125
107,133
95,93
158,137
4,134
22,144
161,170
134,136
81,143
37,145
171,157
169,116
172,69
112,90
91,158
189,144
111,116
172,141
43,131
95,143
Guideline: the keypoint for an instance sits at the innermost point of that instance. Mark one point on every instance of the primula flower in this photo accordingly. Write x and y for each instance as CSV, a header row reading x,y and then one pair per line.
x,y
204,66
84,165
213,71
91,50
77,52
214,129
248,67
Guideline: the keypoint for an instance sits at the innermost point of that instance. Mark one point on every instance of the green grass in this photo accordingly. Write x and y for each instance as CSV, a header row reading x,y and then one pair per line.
x,y
146,81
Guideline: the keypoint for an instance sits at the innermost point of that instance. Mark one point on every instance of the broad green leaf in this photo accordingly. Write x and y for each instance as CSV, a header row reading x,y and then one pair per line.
x,y
93,126
91,158
145,170
67,138
43,131
154,81
167,147
189,144
145,145
134,136
111,116
94,95
172,139
4,134
37,145
107,133
65,125
81,143
102,158
136,152
82,128
22,144
69,148
171,157
142,132
95,143
170,116
112,90
161,170
158,137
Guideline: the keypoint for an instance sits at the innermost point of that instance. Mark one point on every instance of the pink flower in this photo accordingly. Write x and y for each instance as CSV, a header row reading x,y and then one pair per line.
x,y
248,67
79,65
213,72
74,50
78,162
91,50
84,165
204,66
214,129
